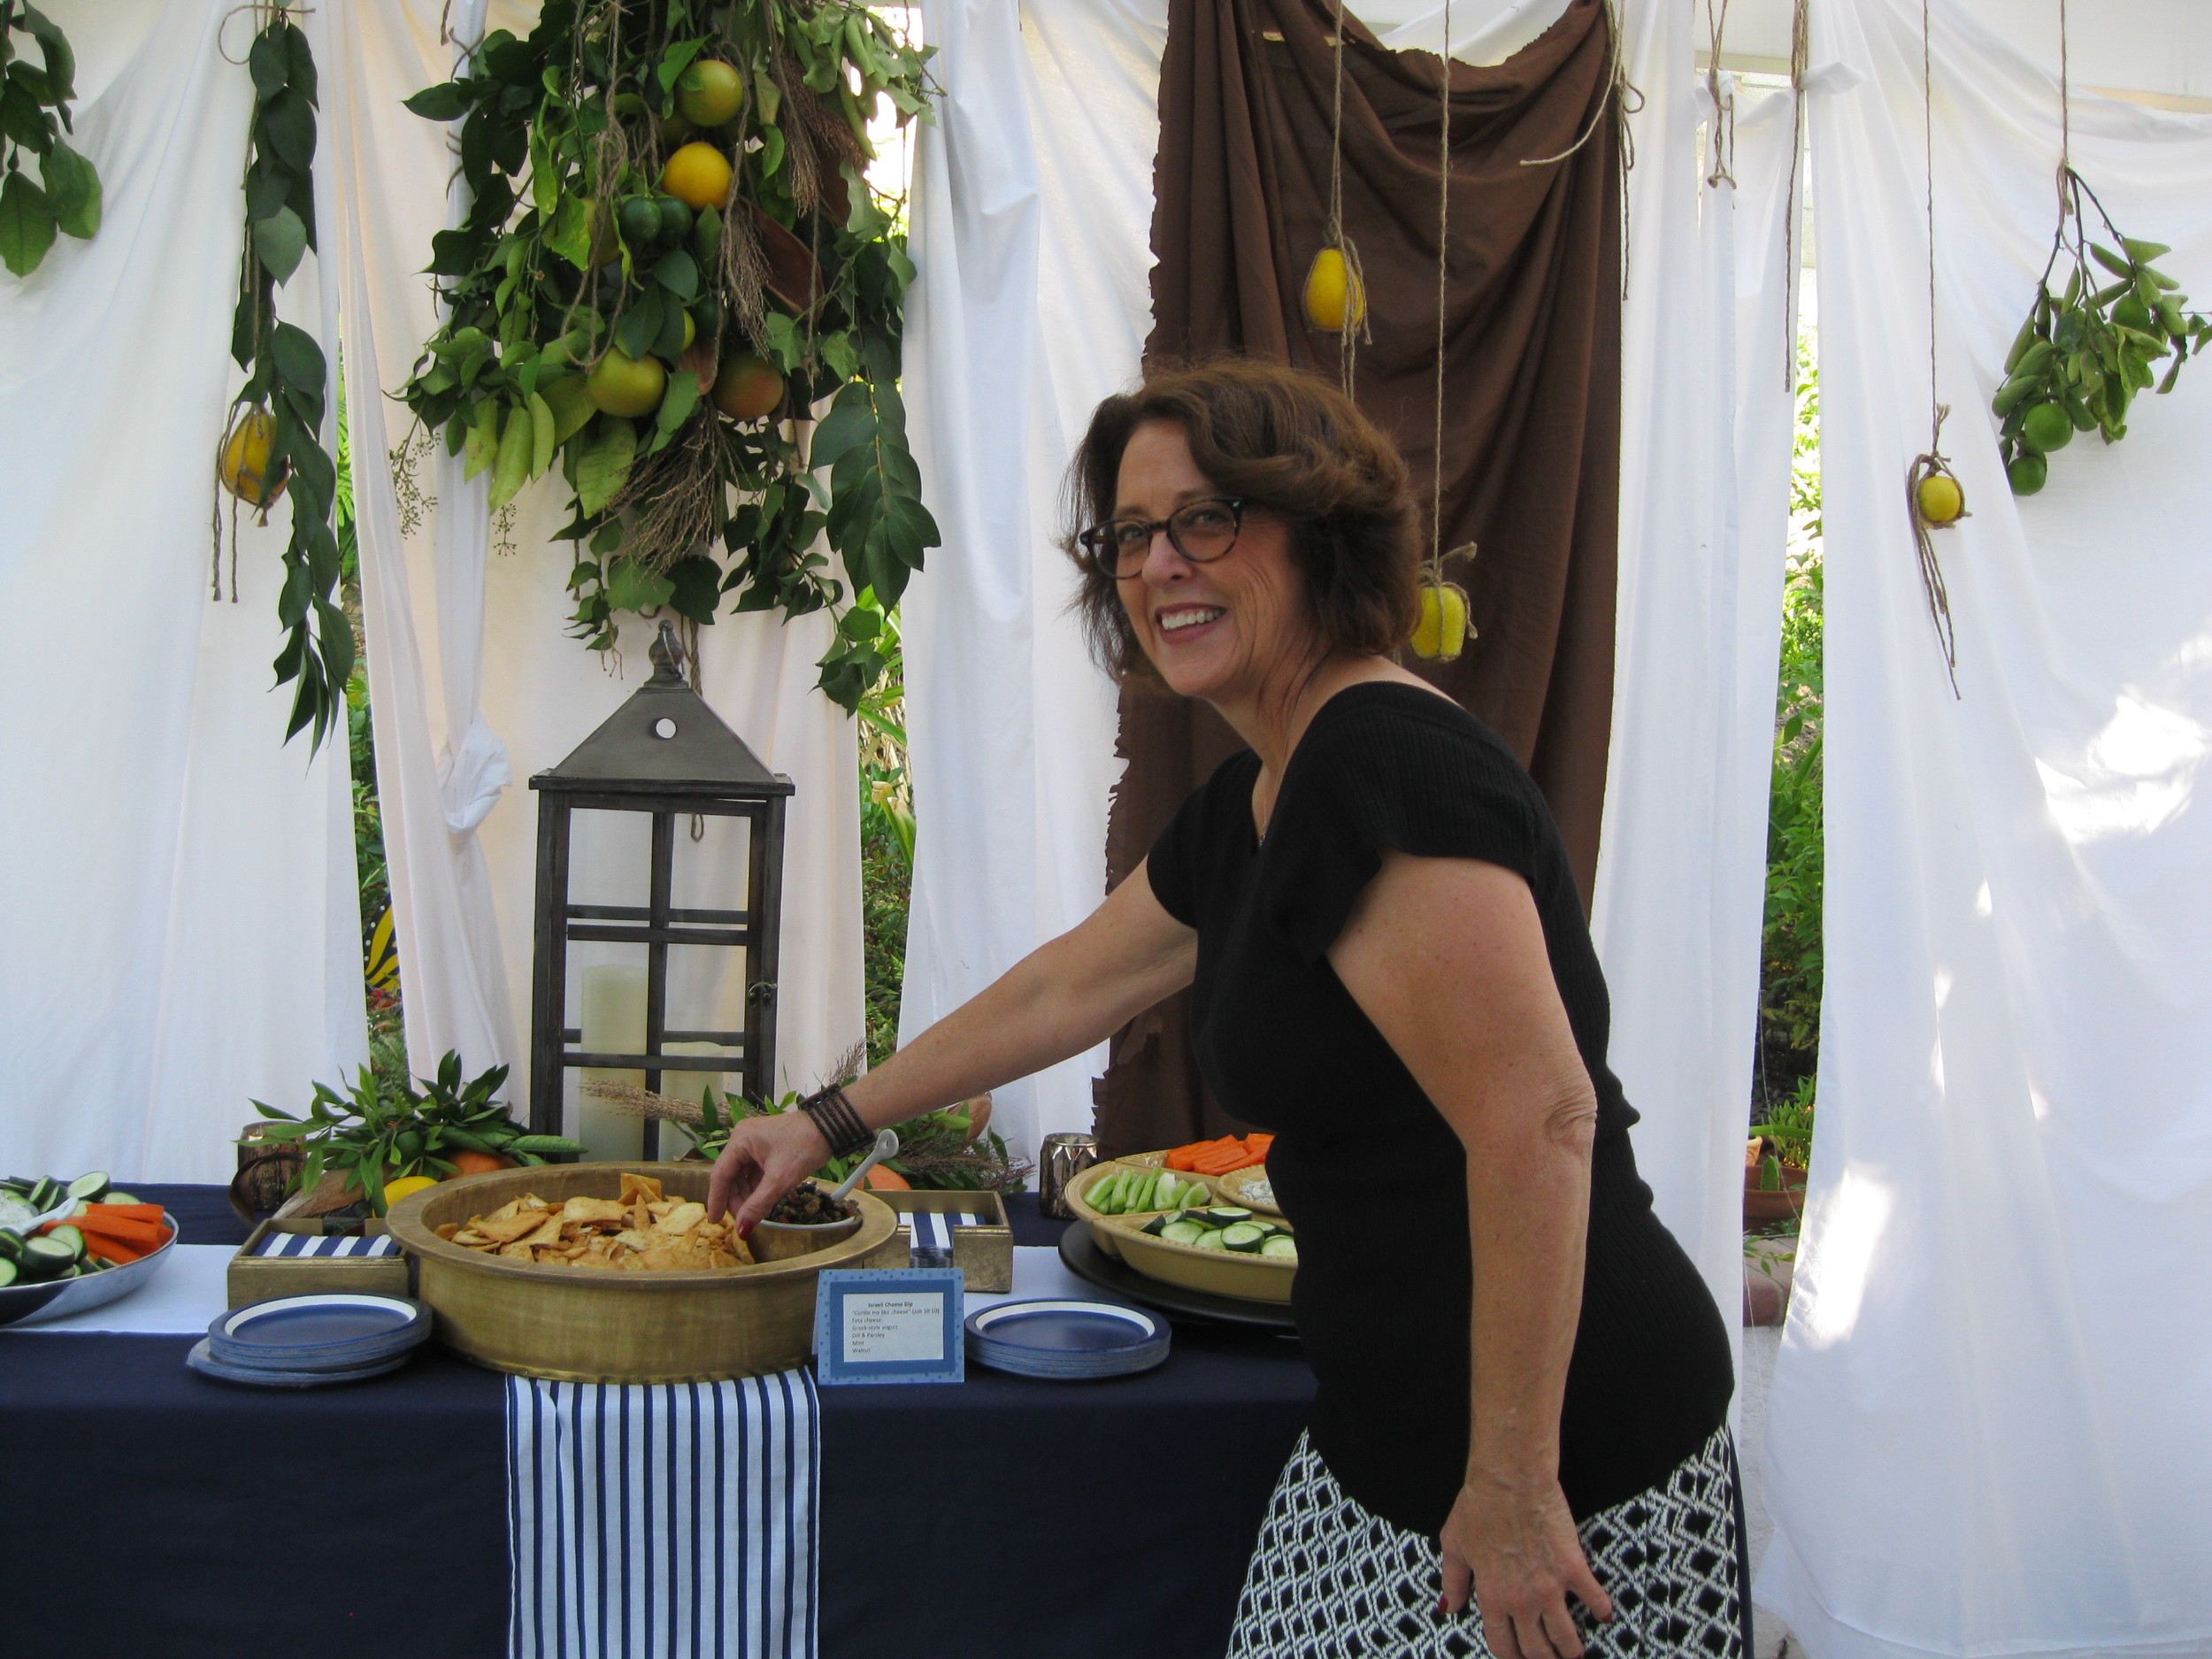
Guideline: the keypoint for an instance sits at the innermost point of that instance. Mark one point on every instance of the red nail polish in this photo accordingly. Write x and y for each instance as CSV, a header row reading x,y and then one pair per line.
x,y
1443,1605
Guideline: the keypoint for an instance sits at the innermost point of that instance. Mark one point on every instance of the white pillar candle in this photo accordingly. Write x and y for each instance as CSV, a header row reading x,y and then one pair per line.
x,y
613,1022
688,1085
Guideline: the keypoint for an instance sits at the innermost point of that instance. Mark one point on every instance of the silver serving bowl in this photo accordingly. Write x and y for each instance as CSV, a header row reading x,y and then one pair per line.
x,y
41,1299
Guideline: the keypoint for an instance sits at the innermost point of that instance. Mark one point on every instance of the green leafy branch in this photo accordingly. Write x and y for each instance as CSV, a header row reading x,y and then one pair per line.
x,y
2086,350
34,115
273,440
673,255
380,1135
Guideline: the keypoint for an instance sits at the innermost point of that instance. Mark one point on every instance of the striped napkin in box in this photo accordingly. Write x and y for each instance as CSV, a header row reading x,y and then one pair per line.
x,y
315,1244
664,1521
931,1236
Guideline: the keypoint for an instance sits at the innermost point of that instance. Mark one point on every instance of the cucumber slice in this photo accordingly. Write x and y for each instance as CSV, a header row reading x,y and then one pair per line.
x,y
46,1194
1243,1236
1282,1247
46,1258
19,1184
8,1271
1209,1241
10,1245
71,1240
1182,1232
115,1195
1224,1215
87,1189
1156,1225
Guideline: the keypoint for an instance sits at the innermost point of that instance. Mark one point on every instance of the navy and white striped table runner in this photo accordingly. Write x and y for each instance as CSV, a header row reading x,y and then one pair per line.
x,y
316,1244
673,1521
931,1235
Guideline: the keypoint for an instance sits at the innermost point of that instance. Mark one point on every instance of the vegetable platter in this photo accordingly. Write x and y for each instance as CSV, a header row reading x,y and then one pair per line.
x,y
68,1246
1188,1235
1127,1186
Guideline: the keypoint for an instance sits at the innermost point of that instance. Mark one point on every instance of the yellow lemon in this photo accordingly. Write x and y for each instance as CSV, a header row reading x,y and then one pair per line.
x,y
1441,633
1941,500
406,1186
698,175
1335,298
245,471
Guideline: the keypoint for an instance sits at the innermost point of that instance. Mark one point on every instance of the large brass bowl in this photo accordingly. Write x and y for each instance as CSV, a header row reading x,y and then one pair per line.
x,y
587,1324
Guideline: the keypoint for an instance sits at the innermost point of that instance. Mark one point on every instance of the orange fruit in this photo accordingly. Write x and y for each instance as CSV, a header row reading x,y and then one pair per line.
x,y
479,1162
882,1180
748,387
699,176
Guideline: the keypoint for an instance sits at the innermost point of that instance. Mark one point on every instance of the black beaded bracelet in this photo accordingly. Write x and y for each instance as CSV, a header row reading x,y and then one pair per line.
x,y
834,1115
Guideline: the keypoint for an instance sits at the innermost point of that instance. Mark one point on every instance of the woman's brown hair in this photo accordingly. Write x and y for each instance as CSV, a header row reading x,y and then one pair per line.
x,y
1280,439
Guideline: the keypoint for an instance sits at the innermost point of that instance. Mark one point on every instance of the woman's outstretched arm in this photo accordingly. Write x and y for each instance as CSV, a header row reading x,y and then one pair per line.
x,y
1446,957
1061,999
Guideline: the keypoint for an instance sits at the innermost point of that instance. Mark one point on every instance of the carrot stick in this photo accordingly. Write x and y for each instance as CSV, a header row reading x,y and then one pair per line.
x,y
127,1212
118,1253
141,1233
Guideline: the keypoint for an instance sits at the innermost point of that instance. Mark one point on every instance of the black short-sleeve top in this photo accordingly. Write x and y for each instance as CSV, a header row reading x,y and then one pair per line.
x,y
1365,1166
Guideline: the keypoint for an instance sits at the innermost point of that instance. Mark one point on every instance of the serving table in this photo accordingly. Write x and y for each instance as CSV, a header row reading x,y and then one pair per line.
x,y
1002,1519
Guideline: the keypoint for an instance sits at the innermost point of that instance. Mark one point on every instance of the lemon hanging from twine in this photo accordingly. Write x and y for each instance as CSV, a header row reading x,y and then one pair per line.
x,y
1336,299
244,469
1442,631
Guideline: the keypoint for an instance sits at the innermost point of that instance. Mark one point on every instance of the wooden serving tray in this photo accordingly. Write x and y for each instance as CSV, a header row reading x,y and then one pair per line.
x,y
587,1324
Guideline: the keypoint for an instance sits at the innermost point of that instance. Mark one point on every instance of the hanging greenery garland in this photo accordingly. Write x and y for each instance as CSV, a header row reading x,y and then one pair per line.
x,y
67,198
2086,350
273,442
672,258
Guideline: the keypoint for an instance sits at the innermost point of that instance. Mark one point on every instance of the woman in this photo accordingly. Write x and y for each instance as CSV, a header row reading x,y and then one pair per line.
x,y
1523,1382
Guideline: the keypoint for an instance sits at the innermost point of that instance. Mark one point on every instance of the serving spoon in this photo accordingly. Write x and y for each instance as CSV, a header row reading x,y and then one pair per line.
x,y
886,1146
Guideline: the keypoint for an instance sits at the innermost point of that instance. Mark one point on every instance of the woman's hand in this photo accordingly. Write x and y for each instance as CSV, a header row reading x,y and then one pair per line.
x,y
767,1156
1514,1543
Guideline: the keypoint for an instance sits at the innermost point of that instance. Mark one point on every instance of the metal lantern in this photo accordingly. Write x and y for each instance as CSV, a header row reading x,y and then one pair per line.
x,y
664,752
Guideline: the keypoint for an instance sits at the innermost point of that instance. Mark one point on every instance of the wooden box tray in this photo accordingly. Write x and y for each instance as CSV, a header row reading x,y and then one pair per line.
x,y
253,1278
587,1324
984,1253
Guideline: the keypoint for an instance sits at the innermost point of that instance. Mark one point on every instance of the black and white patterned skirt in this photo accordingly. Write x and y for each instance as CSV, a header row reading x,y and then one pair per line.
x,y
1330,1579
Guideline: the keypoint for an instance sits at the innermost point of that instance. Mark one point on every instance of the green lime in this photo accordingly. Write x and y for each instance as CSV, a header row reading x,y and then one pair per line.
x,y
675,220
711,92
2027,473
2047,427
640,217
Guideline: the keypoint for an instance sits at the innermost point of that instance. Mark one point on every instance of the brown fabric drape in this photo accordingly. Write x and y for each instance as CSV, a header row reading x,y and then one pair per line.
x,y
1532,408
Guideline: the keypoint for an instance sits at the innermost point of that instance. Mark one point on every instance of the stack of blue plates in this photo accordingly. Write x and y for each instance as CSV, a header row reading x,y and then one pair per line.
x,y
1073,1341
311,1341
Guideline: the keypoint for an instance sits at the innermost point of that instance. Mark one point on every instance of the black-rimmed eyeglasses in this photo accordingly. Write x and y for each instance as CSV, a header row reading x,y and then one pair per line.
x,y
1201,531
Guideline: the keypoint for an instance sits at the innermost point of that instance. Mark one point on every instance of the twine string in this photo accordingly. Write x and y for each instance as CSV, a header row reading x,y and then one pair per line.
x,y
1443,276
1933,463
1723,146
1800,58
1355,326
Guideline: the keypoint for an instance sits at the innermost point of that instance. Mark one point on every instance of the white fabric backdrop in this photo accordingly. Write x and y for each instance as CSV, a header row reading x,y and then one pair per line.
x,y
177,887
464,895
1705,425
1033,225
1988,1432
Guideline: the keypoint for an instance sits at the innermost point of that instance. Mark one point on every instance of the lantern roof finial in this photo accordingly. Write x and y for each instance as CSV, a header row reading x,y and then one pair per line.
x,y
663,738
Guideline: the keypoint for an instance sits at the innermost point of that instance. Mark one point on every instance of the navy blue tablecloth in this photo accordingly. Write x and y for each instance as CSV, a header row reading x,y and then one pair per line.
x,y
1005,1518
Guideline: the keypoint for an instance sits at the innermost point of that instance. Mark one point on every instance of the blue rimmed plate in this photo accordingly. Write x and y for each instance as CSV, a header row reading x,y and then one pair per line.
x,y
1057,1337
201,1361
334,1331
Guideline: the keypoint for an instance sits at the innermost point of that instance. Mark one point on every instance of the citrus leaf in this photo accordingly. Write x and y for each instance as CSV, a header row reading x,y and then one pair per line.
x,y
516,444
696,586
544,434
678,402
26,224
53,45
604,466
72,192
678,273
571,236
298,359
279,242
631,587
269,64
